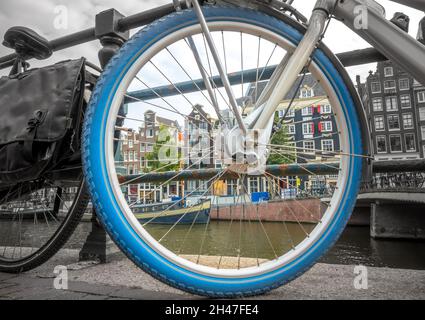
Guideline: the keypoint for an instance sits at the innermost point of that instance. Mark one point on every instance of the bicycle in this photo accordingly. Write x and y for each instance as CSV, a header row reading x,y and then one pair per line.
x,y
230,44
214,39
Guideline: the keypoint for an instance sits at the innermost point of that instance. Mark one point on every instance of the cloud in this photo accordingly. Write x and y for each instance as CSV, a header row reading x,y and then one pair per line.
x,y
40,15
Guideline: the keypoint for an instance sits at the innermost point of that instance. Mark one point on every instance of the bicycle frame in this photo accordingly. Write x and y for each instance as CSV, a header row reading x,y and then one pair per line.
x,y
391,41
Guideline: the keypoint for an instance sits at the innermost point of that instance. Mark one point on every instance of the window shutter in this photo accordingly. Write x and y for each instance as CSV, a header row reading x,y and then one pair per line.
x,y
319,107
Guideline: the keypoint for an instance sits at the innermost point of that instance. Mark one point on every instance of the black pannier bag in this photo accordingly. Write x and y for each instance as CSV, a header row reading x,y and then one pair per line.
x,y
40,119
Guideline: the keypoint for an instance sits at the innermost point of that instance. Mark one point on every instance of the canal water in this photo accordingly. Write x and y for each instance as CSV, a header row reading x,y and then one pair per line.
x,y
354,248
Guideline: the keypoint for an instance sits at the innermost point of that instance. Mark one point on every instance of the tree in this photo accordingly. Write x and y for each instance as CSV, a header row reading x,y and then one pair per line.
x,y
166,155
284,152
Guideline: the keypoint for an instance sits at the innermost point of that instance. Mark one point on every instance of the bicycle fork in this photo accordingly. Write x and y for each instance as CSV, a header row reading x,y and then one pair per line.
x,y
260,121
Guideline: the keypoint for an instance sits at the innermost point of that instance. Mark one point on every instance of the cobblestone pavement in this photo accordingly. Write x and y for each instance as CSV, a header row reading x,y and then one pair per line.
x,y
120,279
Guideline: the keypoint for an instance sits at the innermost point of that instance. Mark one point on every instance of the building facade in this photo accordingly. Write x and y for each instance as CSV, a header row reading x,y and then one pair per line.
x,y
136,146
311,128
393,99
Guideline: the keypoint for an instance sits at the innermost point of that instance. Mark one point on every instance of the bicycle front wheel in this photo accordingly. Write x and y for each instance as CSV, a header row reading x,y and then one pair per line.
x,y
164,192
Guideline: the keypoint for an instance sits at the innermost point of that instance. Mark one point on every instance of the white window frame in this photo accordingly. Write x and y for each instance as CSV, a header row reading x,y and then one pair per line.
x,y
401,143
401,101
388,122
383,123
423,132
422,114
391,98
400,82
308,149
308,125
306,93
411,120
421,96
371,87
414,142
388,74
326,109
327,126
328,141
307,111
388,87
291,129
375,103
377,144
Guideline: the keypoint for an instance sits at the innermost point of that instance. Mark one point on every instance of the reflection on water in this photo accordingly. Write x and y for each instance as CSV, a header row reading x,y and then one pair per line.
x,y
354,248
246,239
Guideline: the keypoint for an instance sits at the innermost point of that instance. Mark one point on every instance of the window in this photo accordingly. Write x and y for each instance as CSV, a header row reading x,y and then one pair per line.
x,y
232,187
309,147
404,84
410,142
291,113
391,104
405,101
395,143
375,87
307,111
291,129
377,104
421,96
327,145
423,132
388,71
126,156
308,128
389,85
125,141
253,185
326,109
393,122
422,114
408,121
149,148
326,126
130,143
379,123
306,93
131,158
381,144
150,133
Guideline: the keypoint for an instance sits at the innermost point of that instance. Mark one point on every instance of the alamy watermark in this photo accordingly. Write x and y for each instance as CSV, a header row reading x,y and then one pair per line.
x,y
61,20
61,280
361,279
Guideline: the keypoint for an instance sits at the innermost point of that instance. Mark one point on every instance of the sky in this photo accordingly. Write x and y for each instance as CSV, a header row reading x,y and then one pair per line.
x,y
40,15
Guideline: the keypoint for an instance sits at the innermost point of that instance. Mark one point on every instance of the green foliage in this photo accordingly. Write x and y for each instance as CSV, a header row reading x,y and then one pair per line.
x,y
166,154
284,151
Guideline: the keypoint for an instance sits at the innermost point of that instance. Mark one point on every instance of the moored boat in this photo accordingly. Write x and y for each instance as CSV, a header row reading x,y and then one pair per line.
x,y
173,212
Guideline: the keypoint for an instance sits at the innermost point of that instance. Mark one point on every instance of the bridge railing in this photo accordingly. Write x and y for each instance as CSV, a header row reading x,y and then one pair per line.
x,y
401,181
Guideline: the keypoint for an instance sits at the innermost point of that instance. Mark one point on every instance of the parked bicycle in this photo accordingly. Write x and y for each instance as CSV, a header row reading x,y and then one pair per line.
x,y
213,55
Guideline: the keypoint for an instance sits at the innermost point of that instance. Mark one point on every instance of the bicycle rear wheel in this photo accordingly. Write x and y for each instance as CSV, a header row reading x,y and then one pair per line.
x,y
216,237
36,220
